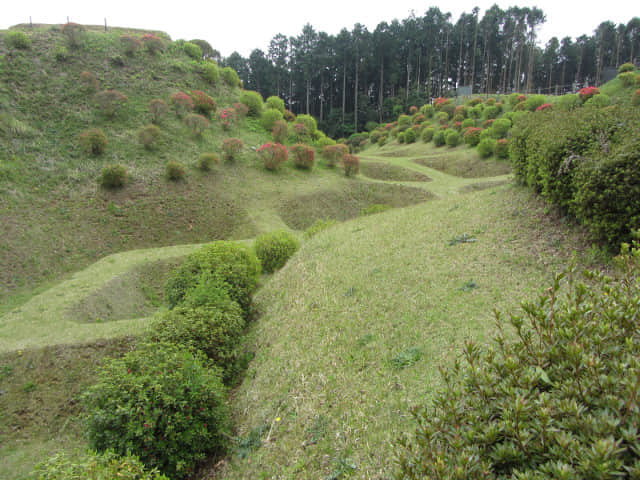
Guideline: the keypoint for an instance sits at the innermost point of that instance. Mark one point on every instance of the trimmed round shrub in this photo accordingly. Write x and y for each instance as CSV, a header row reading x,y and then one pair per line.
x,y
149,136
382,140
231,147
206,161
182,103
568,102
626,67
427,134
501,149
410,136
240,109
400,137
289,116
300,133
357,141
635,99
555,399
89,82
309,122
158,110
335,153
534,101
323,141
228,118
491,112
203,103
113,176
303,156
280,131
275,103
94,466
598,101
130,44
17,40
208,321
93,141
471,136
253,101
174,170
230,77
192,50
75,33
468,122
351,165
442,118
152,43
439,138
109,102
627,78
587,92
452,138
161,403
500,127
269,118
427,111
273,155
404,122
210,72
235,264
274,249
197,123
486,147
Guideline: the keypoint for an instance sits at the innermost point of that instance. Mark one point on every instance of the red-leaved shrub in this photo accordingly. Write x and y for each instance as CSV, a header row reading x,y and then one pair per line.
x,y
182,103
158,109
303,155
231,147
351,165
273,155
335,153
110,101
203,103
587,92
197,123
280,131
152,43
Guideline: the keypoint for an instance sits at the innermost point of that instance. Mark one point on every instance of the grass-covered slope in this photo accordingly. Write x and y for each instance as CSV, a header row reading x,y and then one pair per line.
x,y
355,327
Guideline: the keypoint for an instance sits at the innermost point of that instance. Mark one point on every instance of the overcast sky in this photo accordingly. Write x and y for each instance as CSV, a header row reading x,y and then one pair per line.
x,y
242,26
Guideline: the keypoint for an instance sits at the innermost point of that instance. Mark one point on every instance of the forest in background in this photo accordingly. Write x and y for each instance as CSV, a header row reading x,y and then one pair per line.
x,y
358,76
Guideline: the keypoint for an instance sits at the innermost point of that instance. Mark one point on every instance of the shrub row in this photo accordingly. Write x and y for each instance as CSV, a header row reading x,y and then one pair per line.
x,y
586,161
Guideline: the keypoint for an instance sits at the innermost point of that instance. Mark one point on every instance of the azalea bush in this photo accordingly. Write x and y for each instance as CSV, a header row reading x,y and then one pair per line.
x,y
300,133
230,77
149,136
182,103
439,138
273,155
231,147
544,106
210,72
130,44
113,176
93,141
427,134
274,249
635,99
269,117
192,50
197,123
486,147
253,101
501,149
203,103
152,43
109,102
587,92
452,138
206,161
228,118
158,109
471,136
351,165
275,103
161,403
89,82
335,153
241,109
303,156
174,170
75,33
280,131
557,398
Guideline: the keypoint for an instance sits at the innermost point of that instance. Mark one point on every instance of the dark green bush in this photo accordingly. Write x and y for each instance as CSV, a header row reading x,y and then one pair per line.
x,y
253,101
275,103
351,165
113,176
230,77
192,50
274,249
149,136
206,161
486,147
559,401
94,466
109,102
269,118
175,170
234,263
18,40
626,67
410,136
452,138
93,141
207,321
500,128
439,138
427,134
309,122
491,112
196,123
501,149
534,101
210,72
627,78
568,102
161,403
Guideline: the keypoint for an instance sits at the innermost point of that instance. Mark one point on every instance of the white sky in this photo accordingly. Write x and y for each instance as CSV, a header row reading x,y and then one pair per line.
x,y
230,25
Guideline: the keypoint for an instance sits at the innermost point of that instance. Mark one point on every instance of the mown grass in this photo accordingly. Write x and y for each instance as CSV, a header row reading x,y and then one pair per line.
x,y
356,325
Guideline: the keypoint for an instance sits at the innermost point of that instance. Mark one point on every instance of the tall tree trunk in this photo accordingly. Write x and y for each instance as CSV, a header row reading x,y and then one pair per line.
x,y
355,100
446,62
344,90
381,91
308,88
473,56
322,96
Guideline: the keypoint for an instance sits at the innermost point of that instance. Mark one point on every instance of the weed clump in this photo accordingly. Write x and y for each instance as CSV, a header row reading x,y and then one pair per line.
x,y
93,141
18,40
231,147
175,170
274,249
149,136
206,161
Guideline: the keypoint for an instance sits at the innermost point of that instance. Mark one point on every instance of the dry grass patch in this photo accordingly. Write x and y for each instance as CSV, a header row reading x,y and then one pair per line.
x,y
466,166
384,171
